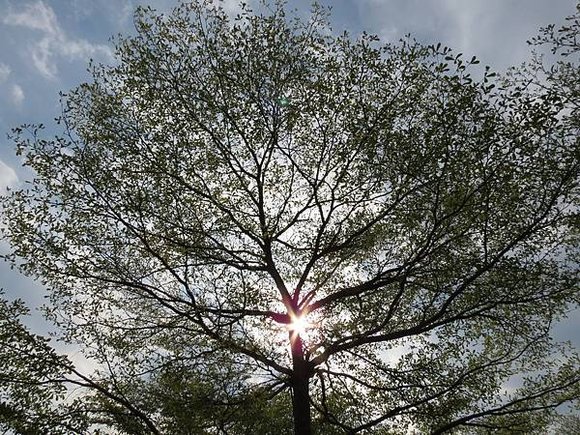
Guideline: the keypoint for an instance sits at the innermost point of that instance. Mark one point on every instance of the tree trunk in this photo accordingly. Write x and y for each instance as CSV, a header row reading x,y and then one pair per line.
x,y
300,394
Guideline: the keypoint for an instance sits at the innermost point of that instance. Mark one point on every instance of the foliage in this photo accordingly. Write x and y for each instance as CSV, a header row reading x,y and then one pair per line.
x,y
230,175
190,401
568,425
31,379
562,76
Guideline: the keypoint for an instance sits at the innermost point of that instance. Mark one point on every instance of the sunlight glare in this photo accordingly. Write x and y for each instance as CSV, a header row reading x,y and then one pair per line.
x,y
299,324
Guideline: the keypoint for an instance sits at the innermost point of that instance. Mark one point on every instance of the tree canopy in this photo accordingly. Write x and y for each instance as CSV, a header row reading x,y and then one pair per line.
x,y
231,178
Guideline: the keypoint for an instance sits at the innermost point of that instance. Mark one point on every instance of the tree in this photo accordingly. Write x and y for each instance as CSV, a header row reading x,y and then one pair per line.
x,y
31,380
563,76
568,425
252,211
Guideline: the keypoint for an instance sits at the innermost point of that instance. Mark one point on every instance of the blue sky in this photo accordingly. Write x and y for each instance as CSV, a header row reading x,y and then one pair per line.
x,y
46,44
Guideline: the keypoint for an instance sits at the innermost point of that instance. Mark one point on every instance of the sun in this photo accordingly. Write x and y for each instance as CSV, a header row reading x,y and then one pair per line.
x,y
299,324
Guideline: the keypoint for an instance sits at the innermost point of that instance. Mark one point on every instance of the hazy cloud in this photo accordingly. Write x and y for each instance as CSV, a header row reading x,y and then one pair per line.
x,y
16,95
4,72
54,41
232,7
8,176
118,12
494,30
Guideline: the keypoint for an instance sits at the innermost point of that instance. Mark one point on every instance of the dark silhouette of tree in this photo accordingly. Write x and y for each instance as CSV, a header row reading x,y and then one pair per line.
x,y
230,179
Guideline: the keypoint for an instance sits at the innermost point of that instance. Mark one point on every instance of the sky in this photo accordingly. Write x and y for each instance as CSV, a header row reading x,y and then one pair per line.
x,y
46,46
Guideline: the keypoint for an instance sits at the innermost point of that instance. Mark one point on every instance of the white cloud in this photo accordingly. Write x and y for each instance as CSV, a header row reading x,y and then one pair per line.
x,y
16,95
35,16
54,41
4,72
7,176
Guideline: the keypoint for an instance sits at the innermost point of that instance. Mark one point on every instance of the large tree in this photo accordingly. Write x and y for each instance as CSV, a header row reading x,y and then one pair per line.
x,y
246,216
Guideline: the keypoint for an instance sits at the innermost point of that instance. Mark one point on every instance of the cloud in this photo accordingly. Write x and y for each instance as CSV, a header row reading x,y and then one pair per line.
x,y
54,42
16,95
232,7
35,16
493,30
8,176
124,13
4,72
